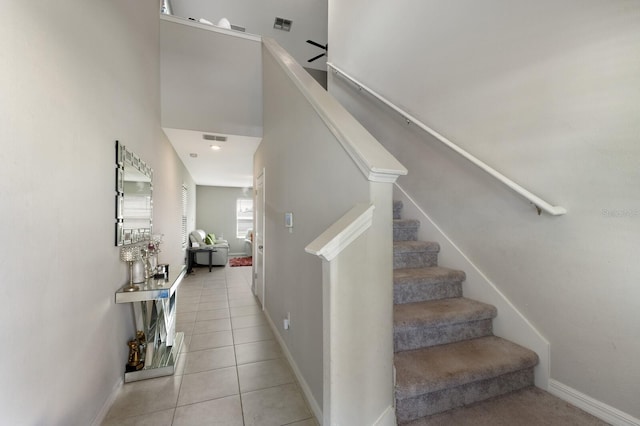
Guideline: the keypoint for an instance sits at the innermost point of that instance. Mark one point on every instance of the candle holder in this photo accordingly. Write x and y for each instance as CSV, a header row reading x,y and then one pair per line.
x,y
130,254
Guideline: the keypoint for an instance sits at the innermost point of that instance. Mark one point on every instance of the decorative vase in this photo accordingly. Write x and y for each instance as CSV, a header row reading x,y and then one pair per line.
x,y
138,271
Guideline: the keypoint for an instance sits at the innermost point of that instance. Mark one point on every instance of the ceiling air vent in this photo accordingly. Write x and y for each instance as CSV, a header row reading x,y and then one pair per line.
x,y
214,138
282,24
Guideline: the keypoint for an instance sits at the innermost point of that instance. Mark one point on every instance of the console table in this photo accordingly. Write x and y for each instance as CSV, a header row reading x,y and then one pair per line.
x,y
154,308
191,251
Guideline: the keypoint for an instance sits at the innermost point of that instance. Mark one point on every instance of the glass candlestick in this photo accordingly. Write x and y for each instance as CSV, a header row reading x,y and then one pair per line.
x,y
130,254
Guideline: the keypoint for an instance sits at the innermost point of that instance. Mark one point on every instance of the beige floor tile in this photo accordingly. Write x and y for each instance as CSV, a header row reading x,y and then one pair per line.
x,y
248,321
243,301
309,422
239,311
275,406
185,343
179,368
210,306
209,359
159,418
264,374
215,314
213,292
186,316
252,334
214,297
211,325
238,294
257,351
208,385
218,412
210,340
146,396
214,285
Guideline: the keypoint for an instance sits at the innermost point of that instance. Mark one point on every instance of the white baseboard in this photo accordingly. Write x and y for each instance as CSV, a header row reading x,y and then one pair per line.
x,y
102,414
387,418
313,404
592,406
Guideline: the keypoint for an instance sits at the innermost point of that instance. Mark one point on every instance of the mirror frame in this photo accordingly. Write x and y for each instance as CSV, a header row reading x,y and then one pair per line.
x,y
126,158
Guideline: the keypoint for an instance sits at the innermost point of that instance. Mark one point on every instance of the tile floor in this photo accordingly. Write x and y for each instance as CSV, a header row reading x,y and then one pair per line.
x,y
231,370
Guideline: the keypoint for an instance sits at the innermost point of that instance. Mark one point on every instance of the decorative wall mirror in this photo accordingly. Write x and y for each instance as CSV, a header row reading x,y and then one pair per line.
x,y
134,202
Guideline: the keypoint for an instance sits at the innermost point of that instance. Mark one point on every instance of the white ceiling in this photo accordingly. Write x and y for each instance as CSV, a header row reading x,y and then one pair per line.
x,y
211,82
232,165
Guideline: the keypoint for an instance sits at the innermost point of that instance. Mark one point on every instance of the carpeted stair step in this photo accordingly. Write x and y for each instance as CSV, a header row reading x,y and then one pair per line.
x,y
415,254
439,378
437,322
397,209
405,229
421,284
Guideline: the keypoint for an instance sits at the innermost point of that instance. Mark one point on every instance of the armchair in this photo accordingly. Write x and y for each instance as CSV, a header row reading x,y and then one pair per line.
x,y
220,249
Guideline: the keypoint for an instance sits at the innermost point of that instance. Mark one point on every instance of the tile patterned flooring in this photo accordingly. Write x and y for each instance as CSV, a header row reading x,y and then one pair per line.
x,y
231,371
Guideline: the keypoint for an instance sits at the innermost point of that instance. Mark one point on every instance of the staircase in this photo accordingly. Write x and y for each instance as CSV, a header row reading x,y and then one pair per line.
x,y
446,355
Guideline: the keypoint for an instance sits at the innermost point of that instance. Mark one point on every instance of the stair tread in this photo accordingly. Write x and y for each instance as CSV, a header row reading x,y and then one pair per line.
x,y
415,246
433,313
427,275
435,368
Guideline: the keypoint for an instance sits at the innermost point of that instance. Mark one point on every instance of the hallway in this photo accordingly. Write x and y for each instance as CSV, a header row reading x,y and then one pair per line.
x,y
231,370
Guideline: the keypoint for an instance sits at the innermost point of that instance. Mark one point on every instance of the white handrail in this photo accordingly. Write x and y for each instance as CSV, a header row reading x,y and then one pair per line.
x,y
538,202
339,235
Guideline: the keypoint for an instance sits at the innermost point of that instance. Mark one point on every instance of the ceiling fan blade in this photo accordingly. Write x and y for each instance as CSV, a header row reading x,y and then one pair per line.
x,y
316,57
317,44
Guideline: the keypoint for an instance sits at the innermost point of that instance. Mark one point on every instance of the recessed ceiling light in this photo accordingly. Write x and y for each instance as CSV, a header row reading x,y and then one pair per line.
x,y
215,147
193,155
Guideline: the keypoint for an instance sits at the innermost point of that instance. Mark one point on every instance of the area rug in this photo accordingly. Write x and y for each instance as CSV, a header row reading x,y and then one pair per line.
x,y
240,261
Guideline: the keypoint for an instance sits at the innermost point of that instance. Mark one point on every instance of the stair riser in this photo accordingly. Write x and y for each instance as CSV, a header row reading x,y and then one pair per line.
x,y
415,260
446,399
420,292
396,212
415,337
405,234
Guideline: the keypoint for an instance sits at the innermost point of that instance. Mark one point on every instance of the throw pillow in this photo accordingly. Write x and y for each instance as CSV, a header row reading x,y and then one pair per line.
x,y
210,239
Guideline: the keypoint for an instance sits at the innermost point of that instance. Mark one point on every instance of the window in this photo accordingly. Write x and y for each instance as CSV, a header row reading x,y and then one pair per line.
x,y
184,216
244,216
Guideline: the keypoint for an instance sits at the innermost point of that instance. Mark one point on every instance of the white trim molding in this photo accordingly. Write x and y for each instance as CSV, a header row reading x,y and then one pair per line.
x,y
306,390
342,233
592,406
373,160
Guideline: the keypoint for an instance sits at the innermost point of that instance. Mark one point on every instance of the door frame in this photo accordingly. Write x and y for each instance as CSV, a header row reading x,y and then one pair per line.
x,y
259,251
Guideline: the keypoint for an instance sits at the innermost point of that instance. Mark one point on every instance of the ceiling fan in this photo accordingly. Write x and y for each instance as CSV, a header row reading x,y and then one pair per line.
x,y
325,47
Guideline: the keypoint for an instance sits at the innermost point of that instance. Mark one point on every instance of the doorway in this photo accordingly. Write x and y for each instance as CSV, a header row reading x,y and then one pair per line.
x,y
258,272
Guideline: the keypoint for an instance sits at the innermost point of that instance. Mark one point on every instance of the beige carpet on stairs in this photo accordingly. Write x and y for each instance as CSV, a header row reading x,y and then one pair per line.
x,y
528,407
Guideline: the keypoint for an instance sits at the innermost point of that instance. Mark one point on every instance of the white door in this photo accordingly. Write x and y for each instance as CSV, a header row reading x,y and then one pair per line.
x,y
259,241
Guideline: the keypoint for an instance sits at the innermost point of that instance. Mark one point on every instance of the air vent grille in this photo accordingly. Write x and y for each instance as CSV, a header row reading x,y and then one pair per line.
x,y
282,24
214,138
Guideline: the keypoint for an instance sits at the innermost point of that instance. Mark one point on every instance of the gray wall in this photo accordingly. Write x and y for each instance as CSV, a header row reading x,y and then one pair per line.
x,y
75,77
549,94
216,213
298,154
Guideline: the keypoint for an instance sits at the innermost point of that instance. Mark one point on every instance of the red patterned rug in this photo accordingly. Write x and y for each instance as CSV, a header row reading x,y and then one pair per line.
x,y
240,261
